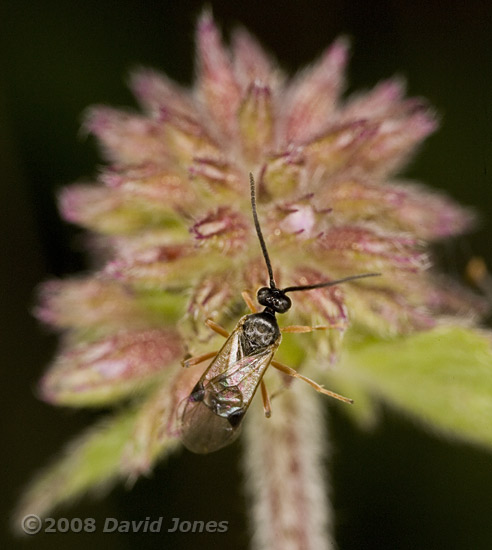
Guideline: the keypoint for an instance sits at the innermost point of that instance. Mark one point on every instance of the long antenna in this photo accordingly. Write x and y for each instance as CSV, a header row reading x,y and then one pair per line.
x,y
330,283
259,233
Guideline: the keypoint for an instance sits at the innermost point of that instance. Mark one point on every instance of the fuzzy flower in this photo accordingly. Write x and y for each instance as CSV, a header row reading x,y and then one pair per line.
x,y
172,221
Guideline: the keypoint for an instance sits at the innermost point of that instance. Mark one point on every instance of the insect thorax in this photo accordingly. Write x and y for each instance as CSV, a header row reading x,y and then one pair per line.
x,y
260,330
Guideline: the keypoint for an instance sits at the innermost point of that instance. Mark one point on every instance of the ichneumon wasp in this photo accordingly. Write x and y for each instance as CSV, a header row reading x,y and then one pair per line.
x,y
210,417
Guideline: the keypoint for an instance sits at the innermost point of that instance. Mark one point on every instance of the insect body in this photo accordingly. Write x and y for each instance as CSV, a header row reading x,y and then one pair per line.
x,y
210,417
213,412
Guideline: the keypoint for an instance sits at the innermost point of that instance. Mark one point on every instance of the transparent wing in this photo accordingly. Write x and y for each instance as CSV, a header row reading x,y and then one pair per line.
x,y
211,415
243,377
203,431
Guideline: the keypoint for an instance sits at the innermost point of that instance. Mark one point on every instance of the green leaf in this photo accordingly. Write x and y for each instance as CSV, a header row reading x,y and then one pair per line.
x,y
93,461
442,376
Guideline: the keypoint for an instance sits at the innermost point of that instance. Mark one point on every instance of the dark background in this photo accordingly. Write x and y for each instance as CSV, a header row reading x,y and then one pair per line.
x,y
395,487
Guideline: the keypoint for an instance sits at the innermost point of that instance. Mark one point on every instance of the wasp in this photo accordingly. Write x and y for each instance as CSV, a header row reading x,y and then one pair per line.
x,y
210,417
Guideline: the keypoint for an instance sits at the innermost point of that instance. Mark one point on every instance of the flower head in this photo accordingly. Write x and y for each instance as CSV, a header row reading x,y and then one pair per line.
x,y
172,212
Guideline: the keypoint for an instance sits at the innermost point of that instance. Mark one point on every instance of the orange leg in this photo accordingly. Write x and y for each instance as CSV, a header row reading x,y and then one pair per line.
x,y
221,330
306,328
217,328
192,361
266,400
249,301
291,372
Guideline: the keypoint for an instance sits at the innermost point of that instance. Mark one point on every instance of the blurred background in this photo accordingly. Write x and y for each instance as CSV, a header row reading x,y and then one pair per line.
x,y
396,487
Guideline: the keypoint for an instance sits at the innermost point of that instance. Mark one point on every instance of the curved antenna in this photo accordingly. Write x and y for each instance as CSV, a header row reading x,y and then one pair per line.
x,y
259,233
330,283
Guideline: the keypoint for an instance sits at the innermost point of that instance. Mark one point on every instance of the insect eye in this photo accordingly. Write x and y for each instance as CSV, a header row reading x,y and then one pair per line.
x,y
264,296
282,304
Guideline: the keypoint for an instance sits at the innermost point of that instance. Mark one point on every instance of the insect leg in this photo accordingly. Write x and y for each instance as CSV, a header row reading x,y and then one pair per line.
x,y
249,301
266,400
191,361
306,328
221,330
291,372
217,328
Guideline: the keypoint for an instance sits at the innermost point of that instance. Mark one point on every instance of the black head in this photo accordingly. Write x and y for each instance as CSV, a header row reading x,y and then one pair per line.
x,y
274,298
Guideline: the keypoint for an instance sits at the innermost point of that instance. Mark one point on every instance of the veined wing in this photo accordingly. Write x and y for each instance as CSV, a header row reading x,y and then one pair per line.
x,y
231,352
242,378
211,415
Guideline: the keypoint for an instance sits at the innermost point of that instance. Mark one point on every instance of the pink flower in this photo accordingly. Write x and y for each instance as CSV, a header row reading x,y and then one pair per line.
x,y
171,211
